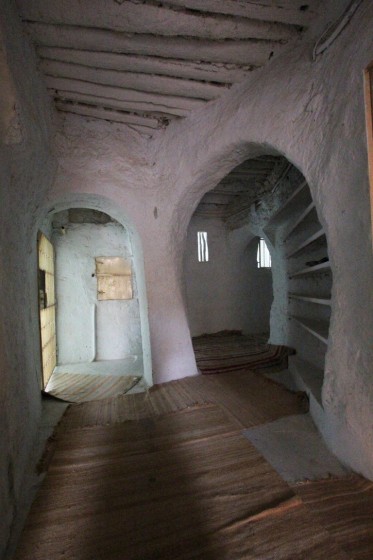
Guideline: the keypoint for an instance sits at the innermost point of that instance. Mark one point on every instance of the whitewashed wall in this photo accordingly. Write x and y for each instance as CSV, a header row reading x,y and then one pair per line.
x,y
88,329
229,291
313,113
27,168
310,111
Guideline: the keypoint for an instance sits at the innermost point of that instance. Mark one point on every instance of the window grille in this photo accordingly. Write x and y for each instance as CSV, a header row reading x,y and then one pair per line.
x,y
203,250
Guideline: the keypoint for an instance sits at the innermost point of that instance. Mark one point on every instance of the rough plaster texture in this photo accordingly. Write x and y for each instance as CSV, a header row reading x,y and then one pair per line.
x,y
98,158
26,172
88,329
228,291
312,112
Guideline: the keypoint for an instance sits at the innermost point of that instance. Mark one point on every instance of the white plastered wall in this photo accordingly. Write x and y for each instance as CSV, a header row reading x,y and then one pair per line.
x,y
228,292
98,157
87,329
311,112
27,168
131,245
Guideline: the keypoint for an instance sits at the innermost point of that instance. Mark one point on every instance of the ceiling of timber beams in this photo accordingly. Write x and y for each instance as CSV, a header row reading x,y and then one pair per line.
x,y
242,187
146,62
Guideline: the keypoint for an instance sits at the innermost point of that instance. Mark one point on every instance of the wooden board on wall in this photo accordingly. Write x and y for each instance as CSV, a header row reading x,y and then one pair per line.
x,y
47,307
114,278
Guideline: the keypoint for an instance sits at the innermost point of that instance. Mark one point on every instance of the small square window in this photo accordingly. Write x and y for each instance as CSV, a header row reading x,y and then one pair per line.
x,y
203,250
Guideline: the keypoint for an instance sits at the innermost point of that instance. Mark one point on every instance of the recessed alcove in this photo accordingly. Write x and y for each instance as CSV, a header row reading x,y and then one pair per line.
x,y
263,198
97,319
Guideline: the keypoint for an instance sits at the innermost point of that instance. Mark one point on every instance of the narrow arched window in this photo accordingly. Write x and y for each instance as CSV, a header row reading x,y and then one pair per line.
x,y
263,255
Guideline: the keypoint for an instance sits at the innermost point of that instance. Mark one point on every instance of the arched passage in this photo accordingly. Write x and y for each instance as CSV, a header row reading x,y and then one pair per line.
x,y
102,321
264,197
229,291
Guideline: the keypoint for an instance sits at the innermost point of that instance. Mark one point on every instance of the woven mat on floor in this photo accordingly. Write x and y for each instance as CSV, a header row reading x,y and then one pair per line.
x,y
250,398
344,507
225,352
182,486
77,387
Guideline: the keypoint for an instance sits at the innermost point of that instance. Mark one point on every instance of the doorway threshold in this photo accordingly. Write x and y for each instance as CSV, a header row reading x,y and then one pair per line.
x,y
130,365
81,382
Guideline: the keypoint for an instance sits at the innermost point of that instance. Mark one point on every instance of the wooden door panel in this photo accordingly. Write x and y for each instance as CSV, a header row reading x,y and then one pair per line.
x,y
47,306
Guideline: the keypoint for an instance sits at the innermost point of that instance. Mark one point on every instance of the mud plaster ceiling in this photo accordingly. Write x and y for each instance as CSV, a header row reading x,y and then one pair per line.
x,y
147,62
242,187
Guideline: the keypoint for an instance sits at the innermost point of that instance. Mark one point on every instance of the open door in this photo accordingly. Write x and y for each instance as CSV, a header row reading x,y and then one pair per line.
x,y
47,306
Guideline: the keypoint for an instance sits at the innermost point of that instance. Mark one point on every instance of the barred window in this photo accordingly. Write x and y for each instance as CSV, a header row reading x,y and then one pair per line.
x,y
203,249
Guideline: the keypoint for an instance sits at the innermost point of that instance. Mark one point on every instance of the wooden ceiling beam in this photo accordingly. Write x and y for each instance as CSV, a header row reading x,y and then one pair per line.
x,y
131,80
122,94
131,106
221,73
127,16
213,197
109,115
210,210
286,11
247,52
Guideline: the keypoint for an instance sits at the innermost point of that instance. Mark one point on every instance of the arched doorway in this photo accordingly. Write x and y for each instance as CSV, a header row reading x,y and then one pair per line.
x,y
101,321
228,291
265,198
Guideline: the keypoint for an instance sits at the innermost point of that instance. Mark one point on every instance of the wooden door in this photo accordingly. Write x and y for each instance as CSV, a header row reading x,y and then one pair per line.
x,y
47,306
